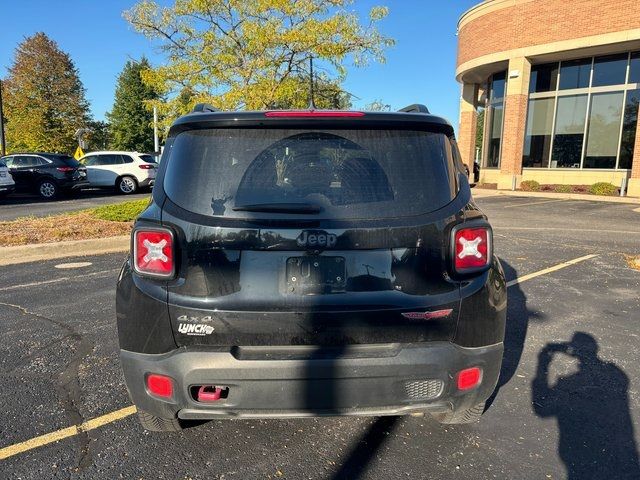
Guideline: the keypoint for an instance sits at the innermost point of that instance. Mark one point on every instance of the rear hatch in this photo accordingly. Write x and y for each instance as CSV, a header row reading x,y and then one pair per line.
x,y
70,167
311,236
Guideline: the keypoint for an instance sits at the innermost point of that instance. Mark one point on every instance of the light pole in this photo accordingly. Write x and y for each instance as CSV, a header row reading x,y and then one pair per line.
x,y
3,147
156,142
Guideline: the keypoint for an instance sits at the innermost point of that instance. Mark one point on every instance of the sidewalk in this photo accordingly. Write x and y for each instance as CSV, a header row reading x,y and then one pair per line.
x,y
73,248
484,193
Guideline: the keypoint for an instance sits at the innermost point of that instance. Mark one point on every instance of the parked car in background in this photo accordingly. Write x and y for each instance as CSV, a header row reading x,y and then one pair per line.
x,y
47,174
7,185
127,172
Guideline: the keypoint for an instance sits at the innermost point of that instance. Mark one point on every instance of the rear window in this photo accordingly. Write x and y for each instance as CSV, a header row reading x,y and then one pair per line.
x,y
66,160
147,158
342,174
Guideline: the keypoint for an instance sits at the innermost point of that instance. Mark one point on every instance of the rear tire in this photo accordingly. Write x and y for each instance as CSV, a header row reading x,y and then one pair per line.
x,y
48,189
127,185
471,415
157,424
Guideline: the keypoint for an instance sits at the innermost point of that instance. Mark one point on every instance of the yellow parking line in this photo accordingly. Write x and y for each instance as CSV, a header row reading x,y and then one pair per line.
x,y
97,422
42,440
554,268
513,205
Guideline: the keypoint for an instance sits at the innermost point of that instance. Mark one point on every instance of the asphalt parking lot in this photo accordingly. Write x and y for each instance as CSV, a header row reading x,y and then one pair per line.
x,y
567,404
24,205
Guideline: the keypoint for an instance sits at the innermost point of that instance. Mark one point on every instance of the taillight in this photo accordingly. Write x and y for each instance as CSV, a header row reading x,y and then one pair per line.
x,y
160,385
471,248
145,166
469,378
65,169
313,113
153,252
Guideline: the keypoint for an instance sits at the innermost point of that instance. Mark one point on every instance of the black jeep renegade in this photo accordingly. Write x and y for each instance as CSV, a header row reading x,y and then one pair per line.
x,y
302,263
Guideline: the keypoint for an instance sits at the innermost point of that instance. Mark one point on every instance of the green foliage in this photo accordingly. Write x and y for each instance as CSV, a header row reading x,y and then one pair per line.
x,y
255,54
100,136
603,188
120,212
131,119
530,186
377,106
44,100
563,188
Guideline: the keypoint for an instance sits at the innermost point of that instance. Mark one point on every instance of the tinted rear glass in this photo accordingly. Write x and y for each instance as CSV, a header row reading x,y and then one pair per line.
x,y
347,173
147,158
66,160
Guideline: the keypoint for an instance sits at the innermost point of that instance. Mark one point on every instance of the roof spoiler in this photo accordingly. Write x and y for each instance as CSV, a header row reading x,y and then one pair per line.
x,y
204,107
415,108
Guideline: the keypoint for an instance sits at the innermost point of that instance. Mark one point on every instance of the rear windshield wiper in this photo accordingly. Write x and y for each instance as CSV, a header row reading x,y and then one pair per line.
x,y
279,208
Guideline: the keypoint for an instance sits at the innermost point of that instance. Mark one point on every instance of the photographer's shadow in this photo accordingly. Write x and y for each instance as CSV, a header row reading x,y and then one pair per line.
x,y
592,409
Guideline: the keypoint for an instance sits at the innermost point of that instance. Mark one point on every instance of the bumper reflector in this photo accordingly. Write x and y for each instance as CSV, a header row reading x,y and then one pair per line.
x,y
160,386
469,378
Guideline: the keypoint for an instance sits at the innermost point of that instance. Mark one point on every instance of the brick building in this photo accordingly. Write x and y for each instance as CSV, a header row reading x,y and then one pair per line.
x,y
557,85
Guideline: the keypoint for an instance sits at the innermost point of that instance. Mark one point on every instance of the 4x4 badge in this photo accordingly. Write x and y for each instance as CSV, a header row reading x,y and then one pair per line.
x,y
316,239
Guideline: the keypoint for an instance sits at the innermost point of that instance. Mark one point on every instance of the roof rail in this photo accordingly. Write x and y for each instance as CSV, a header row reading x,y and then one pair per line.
x,y
415,108
204,107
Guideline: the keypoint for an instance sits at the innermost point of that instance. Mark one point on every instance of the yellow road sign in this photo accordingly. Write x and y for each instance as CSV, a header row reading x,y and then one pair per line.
x,y
79,154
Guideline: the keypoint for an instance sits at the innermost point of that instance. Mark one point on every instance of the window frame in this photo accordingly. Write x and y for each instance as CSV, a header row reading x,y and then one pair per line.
x,y
590,90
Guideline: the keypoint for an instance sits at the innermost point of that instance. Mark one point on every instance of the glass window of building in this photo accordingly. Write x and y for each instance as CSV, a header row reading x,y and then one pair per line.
x,y
610,70
634,68
604,130
495,111
537,143
569,131
544,78
575,74
629,127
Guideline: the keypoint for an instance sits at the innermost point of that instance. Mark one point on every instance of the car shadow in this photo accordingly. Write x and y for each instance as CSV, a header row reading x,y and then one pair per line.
x,y
591,406
517,325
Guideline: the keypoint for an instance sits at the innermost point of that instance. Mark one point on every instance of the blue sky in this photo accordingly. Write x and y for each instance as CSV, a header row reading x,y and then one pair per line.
x,y
419,69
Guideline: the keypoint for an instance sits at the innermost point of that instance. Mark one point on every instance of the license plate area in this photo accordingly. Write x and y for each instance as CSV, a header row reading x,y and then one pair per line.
x,y
311,275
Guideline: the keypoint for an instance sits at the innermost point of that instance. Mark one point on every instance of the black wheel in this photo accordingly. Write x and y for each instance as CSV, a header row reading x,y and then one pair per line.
x,y
48,189
156,424
127,185
470,415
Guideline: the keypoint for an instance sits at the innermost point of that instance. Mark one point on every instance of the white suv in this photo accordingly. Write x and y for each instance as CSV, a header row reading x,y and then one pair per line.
x,y
7,185
126,171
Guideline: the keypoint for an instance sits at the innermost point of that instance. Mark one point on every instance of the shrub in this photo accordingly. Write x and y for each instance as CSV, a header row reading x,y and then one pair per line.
x,y
563,188
530,186
603,188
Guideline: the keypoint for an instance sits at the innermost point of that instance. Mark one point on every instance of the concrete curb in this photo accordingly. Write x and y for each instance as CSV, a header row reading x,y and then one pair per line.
x,y
74,248
485,192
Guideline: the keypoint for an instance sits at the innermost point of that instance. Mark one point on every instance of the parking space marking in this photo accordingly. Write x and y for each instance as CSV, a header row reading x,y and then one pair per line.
x,y
125,412
61,279
554,268
513,205
42,440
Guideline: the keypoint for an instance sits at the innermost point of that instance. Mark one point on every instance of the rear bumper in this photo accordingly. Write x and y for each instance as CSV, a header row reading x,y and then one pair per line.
x,y
365,380
7,188
73,184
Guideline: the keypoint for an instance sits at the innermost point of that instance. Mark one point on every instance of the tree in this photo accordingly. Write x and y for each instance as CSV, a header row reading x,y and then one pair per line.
x,y
44,98
254,55
377,106
131,119
100,136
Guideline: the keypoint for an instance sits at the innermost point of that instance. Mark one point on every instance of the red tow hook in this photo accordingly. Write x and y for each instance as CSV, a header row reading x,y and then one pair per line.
x,y
211,393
